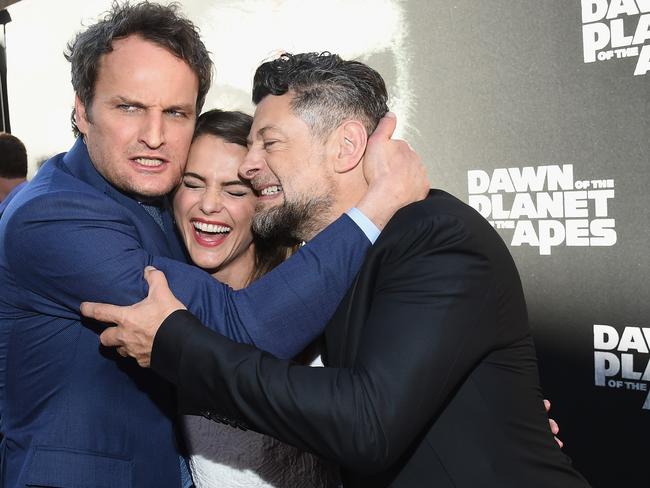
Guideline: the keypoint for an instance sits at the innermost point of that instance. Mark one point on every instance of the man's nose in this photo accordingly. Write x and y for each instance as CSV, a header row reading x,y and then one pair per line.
x,y
152,133
253,163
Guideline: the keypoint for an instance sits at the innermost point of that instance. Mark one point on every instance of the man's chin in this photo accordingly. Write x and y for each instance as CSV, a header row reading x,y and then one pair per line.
x,y
146,193
292,222
271,223
264,205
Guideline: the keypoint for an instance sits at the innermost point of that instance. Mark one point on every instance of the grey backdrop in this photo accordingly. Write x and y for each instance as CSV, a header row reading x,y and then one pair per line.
x,y
503,84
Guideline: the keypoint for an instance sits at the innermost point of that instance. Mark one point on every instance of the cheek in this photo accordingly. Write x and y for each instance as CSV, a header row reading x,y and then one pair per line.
x,y
183,202
116,134
242,214
182,140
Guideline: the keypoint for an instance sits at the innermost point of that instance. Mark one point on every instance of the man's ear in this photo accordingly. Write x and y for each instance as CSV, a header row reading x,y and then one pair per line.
x,y
352,139
80,115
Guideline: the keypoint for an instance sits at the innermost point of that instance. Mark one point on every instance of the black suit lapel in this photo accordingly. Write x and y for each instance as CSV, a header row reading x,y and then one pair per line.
x,y
345,327
336,333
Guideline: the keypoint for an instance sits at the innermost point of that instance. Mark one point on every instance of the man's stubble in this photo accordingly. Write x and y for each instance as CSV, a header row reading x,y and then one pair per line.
x,y
293,221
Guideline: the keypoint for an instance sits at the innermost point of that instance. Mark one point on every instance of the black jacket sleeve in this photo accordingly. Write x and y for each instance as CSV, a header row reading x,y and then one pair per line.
x,y
422,336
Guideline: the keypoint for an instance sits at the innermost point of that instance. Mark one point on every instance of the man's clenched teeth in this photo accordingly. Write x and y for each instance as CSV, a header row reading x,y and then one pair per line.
x,y
211,228
271,190
149,162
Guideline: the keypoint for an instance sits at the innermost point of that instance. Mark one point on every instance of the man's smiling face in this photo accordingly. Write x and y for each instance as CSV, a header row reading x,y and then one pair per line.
x,y
289,168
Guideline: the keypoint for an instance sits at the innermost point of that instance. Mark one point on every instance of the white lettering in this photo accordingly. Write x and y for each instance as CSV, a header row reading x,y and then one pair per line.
x,y
603,232
481,203
501,181
550,205
642,32
477,181
575,204
562,177
594,38
618,7
627,368
605,364
498,212
632,338
524,234
605,337
593,10
577,232
528,178
643,63
523,206
600,198
551,233
617,34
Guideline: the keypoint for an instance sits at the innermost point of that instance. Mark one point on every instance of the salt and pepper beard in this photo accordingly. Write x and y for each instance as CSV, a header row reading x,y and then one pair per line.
x,y
294,221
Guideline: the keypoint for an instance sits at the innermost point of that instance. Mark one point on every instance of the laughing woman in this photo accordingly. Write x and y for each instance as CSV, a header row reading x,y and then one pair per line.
x,y
213,209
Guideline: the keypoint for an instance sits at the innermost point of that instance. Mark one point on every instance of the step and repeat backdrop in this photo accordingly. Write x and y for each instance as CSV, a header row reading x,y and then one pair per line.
x,y
535,113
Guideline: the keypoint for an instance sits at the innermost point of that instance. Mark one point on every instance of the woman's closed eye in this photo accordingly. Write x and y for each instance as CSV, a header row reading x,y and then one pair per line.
x,y
192,184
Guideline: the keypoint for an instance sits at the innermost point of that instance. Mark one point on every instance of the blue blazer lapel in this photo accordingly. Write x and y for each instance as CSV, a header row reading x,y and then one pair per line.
x,y
78,163
173,240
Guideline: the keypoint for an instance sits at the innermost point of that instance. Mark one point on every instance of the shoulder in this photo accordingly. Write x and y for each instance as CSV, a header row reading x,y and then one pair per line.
x,y
52,210
442,223
440,216
438,204
57,195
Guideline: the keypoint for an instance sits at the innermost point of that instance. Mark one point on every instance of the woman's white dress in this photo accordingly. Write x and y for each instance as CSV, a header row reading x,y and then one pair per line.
x,y
222,456
226,457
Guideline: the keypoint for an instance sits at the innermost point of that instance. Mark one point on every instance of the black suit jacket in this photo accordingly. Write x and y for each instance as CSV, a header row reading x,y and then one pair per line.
x,y
432,377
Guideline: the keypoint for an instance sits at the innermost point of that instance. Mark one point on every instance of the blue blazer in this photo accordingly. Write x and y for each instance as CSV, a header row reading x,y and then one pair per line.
x,y
10,196
76,414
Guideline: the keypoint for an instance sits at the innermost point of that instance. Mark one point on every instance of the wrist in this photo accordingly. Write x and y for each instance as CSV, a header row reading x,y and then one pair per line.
x,y
379,207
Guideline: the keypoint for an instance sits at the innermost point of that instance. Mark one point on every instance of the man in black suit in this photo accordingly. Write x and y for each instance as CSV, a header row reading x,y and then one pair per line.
x,y
432,375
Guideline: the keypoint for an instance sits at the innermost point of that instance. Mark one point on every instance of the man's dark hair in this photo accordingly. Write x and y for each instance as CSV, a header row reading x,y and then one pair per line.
x,y
232,126
159,24
327,89
13,157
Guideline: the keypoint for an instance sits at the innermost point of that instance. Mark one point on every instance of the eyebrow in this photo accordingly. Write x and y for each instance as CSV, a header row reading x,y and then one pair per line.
x,y
267,128
225,183
193,175
187,108
127,101
260,132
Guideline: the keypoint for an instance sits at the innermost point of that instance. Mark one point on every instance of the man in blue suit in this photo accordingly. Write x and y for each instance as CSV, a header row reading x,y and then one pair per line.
x,y
89,223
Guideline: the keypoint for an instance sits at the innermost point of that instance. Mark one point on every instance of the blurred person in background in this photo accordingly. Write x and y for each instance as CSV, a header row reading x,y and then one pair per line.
x,y
13,168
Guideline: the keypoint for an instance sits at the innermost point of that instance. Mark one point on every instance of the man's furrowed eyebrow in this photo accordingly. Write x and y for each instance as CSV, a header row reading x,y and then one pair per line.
x,y
189,108
185,108
127,101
